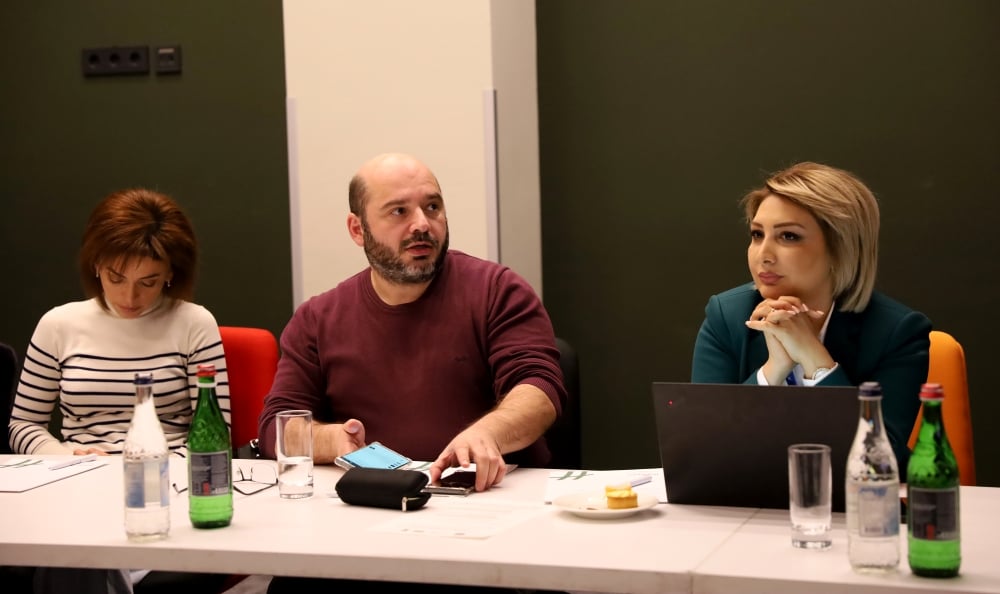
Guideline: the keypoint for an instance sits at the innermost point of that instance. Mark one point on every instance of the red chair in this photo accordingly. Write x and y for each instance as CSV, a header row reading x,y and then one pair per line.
x,y
251,361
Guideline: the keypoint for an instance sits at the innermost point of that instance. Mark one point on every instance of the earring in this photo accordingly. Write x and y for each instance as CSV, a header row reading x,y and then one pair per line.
x,y
168,283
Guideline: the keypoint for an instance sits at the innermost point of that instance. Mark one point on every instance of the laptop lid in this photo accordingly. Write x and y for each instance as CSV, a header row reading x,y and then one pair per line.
x,y
726,444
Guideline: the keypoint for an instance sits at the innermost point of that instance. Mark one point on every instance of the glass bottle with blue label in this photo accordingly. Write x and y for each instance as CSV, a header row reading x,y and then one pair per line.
x,y
872,490
145,461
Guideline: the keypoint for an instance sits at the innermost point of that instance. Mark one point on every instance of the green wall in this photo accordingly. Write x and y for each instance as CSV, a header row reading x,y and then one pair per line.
x,y
657,116
213,137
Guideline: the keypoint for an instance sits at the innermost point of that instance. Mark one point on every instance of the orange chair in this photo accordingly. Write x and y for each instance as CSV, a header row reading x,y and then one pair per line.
x,y
947,367
251,361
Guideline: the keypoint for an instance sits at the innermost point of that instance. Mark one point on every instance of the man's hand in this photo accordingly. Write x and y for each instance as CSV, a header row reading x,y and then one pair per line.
x,y
521,417
336,439
475,444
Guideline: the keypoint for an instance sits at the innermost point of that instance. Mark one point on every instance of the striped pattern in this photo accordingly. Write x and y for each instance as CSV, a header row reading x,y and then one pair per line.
x,y
85,359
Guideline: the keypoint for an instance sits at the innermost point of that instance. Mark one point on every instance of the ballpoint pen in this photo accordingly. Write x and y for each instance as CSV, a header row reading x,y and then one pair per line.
x,y
78,460
640,479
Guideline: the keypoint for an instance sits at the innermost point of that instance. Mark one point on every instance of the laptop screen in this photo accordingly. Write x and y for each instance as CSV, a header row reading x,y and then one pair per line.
x,y
726,444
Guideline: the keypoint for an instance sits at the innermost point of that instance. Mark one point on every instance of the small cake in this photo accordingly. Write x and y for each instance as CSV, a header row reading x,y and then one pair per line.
x,y
618,487
621,496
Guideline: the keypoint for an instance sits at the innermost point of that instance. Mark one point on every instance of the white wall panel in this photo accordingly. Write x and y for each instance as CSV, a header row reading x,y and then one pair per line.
x,y
385,75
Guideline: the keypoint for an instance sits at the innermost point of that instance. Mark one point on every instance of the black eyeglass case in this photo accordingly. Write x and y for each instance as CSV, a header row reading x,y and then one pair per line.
x,y
390,489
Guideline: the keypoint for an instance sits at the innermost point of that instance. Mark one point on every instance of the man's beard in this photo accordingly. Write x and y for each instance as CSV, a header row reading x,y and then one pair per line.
x,y
391,266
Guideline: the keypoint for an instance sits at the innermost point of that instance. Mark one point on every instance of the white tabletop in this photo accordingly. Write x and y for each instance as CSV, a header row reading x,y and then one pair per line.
x,y
758,558
77,522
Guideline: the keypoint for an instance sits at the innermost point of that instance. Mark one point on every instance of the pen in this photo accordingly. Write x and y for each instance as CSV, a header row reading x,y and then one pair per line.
x,y
78,460
640,479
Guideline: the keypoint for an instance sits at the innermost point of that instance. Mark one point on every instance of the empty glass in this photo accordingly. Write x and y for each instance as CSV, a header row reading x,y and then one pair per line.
x,y
295,454
810,484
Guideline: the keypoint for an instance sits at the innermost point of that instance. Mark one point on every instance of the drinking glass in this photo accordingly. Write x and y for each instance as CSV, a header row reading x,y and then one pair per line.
x,y
810,484
295,454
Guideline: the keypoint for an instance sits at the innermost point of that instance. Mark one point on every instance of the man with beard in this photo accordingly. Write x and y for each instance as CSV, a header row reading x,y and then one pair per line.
x,y
439,355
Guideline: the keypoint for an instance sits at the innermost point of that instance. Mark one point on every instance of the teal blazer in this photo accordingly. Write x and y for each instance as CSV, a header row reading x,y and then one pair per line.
x,y
887,342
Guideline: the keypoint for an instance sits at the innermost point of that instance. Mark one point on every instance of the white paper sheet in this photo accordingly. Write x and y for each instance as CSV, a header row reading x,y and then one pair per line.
x,y
461,517
23,473
565,482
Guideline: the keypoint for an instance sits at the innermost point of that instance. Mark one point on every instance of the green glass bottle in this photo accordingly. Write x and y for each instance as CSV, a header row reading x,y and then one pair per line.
x,y
932,495
210,459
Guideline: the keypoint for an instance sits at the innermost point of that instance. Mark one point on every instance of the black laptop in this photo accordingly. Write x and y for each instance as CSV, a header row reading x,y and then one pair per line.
x,y
726,444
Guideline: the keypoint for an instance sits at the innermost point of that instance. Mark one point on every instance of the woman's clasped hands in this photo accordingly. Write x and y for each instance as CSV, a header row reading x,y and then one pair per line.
x,y
769,315
791,329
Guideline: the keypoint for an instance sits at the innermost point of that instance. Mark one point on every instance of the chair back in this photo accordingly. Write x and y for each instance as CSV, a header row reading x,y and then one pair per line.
x,y
9,370
251,362
947,367
563,437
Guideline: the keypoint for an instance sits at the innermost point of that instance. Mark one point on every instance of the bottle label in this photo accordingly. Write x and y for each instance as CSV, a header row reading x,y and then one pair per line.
x,y
135,482
878,511
210,473
146,482
933,513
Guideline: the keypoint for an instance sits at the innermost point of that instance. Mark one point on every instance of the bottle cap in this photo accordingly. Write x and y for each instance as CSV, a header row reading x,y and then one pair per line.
x,y
931,391
206,370
143,379
870,390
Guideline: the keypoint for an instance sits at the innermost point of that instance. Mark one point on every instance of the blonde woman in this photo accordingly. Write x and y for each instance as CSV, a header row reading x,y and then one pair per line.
x,y
811,315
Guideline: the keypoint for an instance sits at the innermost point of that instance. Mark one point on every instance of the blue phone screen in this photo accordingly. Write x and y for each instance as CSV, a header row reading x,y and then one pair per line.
x,y
376,455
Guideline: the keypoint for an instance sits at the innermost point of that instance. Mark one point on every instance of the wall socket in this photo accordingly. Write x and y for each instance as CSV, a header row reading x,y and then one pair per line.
x,y
111,61
167,59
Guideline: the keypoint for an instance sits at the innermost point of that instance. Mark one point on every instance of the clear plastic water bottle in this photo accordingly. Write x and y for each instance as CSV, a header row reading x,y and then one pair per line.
x,y
872,490
147,472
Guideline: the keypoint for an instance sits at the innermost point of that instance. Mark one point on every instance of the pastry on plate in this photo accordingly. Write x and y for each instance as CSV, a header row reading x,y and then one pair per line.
x,y
621,496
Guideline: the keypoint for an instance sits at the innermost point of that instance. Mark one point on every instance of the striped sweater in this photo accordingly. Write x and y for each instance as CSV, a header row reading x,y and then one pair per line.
x,y
85,358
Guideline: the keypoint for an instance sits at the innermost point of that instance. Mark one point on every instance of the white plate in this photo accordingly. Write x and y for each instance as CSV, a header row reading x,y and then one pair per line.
x,y
590,505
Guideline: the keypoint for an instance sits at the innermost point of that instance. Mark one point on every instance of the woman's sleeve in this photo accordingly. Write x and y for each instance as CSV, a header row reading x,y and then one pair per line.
x,y
901,372
714,360
206,348
37,394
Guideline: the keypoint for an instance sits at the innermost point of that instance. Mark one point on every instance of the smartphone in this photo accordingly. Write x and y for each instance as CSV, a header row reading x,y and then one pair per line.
x,y
373,455
461,482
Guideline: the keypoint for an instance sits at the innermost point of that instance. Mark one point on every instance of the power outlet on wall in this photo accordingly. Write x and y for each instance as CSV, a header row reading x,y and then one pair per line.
x,y
110,61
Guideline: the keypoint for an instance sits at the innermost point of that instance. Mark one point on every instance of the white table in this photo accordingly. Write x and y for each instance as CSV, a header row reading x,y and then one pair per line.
x,y
77,522
757,558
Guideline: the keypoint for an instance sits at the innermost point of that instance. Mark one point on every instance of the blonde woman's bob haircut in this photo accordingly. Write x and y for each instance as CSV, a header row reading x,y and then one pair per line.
x,y
848,214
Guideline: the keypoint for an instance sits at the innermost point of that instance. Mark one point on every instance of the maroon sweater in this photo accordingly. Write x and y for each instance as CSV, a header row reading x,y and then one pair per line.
x,y
417,374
